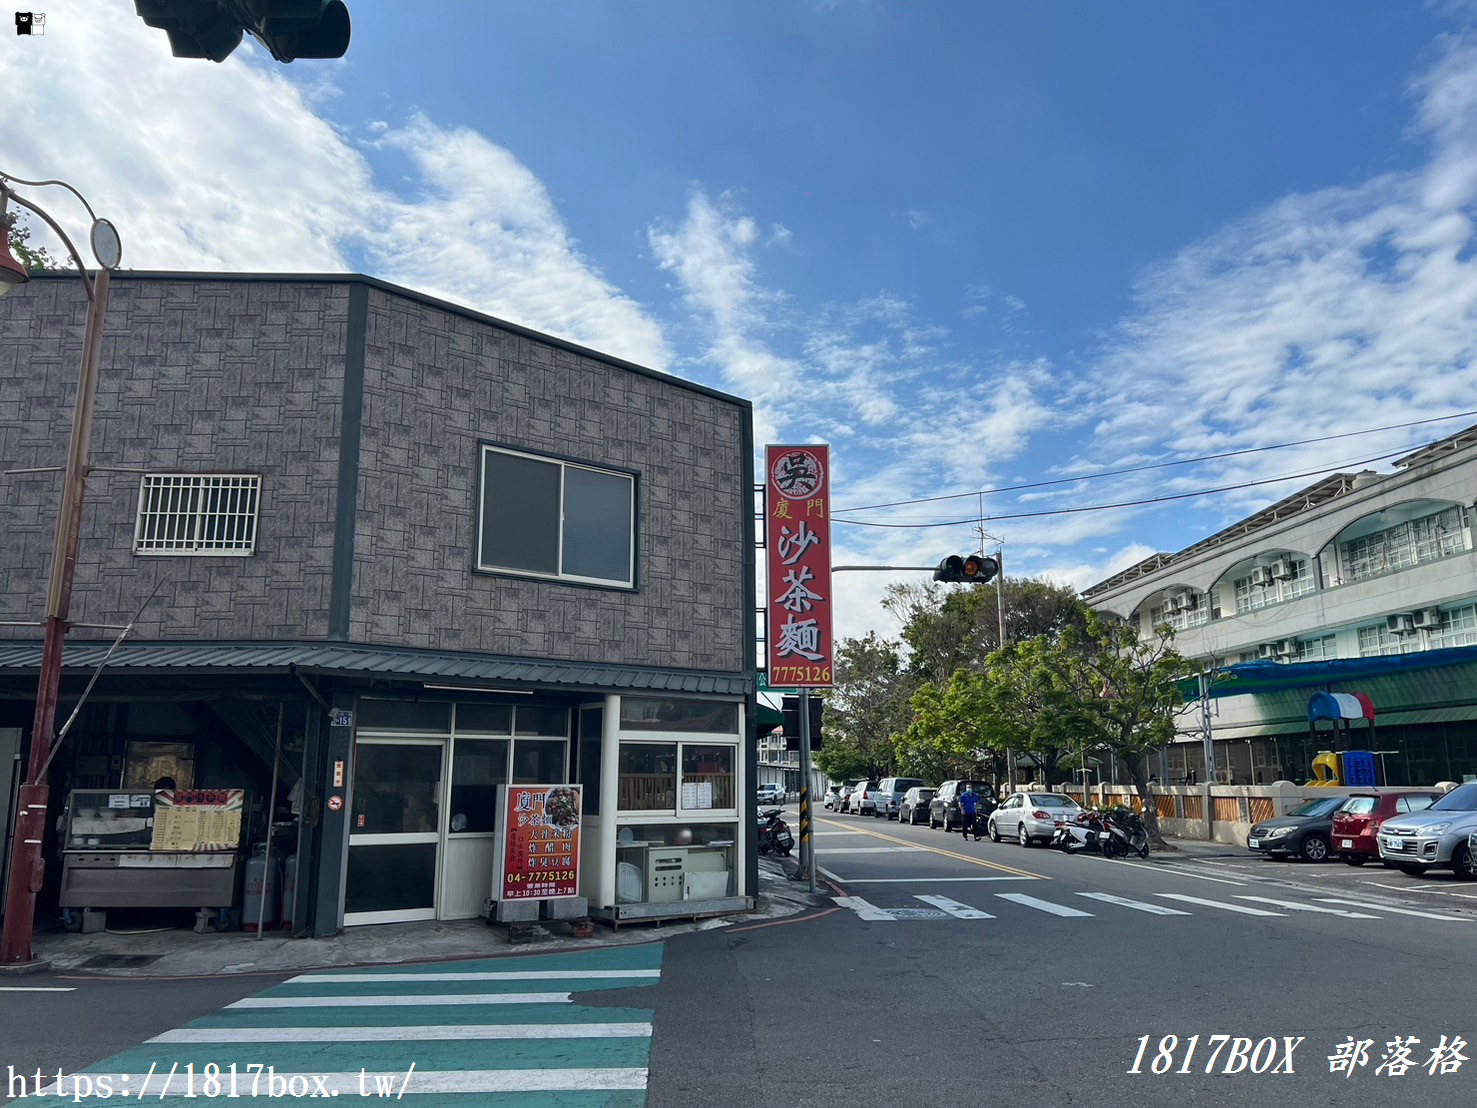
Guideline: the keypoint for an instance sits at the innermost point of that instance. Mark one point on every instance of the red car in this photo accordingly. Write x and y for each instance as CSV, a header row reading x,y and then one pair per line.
x,y
1355,824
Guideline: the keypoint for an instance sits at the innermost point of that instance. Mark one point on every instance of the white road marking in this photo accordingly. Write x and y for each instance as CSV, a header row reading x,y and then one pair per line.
x,y
864,909
439,1032
1138,905
36,989
1412,889
422,1081
833,850
1041,905
430,1000
1219,904
1397,911
824,872
953,907
1296,907
1175,870
915,880
491,975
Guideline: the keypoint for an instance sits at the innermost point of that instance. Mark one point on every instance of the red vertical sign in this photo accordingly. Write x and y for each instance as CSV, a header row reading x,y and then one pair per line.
x,y
797,528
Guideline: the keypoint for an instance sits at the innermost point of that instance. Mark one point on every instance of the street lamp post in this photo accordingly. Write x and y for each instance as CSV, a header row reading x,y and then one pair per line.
x,y
27,867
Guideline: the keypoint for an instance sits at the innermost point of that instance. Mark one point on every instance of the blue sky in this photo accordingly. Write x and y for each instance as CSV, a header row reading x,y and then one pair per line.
x,y
968,244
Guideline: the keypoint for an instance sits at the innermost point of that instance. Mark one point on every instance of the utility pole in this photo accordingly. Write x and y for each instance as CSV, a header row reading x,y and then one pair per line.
x,y
27,865
1208,740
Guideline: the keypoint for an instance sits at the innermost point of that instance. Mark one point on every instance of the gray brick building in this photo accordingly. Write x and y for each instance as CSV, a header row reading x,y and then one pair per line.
x,y
430,550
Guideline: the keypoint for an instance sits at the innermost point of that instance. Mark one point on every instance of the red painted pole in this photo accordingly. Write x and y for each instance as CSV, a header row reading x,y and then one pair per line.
x,y
27,866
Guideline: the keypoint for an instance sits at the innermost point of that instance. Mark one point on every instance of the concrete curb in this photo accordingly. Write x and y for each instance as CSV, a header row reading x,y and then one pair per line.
x,y
240,954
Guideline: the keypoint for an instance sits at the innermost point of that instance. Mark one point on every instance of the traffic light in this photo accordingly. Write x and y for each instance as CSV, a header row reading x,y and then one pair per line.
x,y
213,28
974,569
790,707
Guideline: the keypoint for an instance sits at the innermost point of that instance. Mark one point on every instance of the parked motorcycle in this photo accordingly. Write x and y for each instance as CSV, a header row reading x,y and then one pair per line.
x,y
1128,832
775,836
1087,834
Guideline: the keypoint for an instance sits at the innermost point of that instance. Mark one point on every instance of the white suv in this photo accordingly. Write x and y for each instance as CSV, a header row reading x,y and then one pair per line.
x,y
771,794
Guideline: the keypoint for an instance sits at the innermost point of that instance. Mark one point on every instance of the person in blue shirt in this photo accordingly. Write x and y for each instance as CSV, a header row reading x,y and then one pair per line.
x,y
968,804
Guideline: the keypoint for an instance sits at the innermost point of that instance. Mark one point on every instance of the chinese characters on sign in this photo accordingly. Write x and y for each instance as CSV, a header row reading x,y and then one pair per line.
x,y
797,522
541,842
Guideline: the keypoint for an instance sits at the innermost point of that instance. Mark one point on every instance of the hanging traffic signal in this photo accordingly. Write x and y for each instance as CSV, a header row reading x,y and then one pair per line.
x,y
213,29
973,569
790,707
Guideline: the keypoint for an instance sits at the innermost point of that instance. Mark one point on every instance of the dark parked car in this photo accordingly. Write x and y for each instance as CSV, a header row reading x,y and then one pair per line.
x,y
1355,824
915,805
1306,831
943,810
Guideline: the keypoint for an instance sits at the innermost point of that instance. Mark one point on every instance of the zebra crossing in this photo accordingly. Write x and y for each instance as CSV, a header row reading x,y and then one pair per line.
x,y
478,1032
942,907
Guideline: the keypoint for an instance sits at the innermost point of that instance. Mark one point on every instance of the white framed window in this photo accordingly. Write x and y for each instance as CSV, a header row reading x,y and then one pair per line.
x,y
1438,535
1376,640
1317,649
1458,627
210,514
1250,597
549,518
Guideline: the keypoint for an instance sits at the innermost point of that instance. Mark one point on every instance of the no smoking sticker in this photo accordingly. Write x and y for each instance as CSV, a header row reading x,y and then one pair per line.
x,y
335,804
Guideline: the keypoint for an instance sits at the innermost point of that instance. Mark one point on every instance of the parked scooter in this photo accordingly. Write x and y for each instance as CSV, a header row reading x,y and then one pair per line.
x,y
1128,832
1087,834
775,836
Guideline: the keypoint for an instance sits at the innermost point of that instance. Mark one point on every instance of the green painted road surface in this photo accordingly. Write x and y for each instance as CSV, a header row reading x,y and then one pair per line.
x,y
483,1032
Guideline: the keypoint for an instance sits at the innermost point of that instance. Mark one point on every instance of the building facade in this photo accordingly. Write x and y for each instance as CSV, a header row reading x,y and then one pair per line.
x,y
406,554
1362,583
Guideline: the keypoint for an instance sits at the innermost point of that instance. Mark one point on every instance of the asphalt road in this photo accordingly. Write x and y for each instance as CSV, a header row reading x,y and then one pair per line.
x,y
931,970
904,998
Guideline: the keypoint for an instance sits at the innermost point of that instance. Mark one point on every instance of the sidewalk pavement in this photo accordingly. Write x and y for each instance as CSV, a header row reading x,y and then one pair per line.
x,y
1199,848
181,952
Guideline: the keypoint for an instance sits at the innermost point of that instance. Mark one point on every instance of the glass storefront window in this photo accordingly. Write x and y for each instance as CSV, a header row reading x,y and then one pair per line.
x,y
478,768
592,724
537,719
539,762
487,719
395,788
648,777
707,776
670,863
705,717
402,715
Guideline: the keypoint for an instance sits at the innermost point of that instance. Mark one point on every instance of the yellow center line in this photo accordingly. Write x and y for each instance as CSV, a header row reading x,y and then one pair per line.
x,y
934,850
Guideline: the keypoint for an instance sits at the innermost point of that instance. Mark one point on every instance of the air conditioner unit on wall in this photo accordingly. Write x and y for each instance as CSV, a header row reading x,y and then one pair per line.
x,y
1427,619
1401,623
1183,601
1267,650
1288,648
1260,577
1171,603
1281,570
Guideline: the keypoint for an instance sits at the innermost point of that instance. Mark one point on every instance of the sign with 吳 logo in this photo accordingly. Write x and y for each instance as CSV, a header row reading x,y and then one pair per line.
x,y
540,856
797,522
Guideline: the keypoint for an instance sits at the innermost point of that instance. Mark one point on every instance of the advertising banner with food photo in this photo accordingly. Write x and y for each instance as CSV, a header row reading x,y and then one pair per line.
x,y
541,842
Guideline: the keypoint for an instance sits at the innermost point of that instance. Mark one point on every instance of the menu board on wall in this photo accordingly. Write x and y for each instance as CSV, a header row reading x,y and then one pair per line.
x,y
540,855
197,820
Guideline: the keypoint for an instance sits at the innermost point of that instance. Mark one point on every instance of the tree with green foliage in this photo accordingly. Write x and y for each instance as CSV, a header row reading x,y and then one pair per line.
x,y
867,705
32,257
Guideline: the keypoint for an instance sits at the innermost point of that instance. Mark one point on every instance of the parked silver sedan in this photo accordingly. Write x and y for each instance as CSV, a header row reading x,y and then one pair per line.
x,y
1031,817
1437,838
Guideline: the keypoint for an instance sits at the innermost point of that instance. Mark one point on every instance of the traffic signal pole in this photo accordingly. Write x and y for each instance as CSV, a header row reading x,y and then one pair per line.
x,y
807,842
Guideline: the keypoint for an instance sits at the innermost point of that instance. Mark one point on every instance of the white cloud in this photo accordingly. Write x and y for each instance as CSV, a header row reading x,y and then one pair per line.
x,y
234,167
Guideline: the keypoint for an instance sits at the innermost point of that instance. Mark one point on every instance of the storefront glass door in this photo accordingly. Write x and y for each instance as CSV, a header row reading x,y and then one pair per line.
x,y
395,830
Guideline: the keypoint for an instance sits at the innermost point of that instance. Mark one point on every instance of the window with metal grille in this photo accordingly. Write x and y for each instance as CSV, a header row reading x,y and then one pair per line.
x,y
186,513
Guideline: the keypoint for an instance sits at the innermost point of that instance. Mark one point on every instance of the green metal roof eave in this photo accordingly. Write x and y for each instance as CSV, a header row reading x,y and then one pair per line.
x,y
343,659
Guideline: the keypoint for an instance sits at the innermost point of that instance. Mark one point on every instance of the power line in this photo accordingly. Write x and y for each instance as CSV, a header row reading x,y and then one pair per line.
x,y
1154,465
1123,503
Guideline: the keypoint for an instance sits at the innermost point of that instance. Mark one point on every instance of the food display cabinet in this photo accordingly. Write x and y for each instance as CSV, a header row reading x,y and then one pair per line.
x,y
174,848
